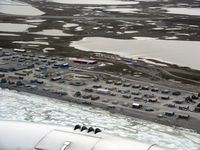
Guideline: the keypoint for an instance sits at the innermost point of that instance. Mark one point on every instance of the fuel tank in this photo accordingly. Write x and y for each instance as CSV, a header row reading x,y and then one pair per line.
x,y
16,135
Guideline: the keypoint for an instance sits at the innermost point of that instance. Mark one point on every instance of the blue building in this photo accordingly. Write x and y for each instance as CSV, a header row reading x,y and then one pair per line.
x,y
43,68
64,66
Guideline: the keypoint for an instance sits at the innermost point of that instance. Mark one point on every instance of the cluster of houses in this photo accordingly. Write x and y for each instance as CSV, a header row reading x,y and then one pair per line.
x,y
95,92
125,94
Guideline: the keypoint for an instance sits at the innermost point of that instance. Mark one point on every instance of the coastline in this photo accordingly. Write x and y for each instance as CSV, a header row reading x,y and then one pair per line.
x,y
191,124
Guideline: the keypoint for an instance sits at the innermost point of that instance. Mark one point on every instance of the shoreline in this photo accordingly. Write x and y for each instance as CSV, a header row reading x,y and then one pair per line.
x,y
135,49
192,124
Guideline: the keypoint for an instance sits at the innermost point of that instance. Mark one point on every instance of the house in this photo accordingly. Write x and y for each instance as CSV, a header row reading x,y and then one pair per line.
x,y
3,80
183,116
42,57
127,60
19,50
169,113
43,68
197,109
20,74
88,90
126,96
127,84
176,93
115,102
97,86
145,88
2,75
137,106
136,86
153,100
77,83
172,105
179,101
149,109
103,91
183,108
84,61
109,81
164,97
19,83
63,66
56,78
94,97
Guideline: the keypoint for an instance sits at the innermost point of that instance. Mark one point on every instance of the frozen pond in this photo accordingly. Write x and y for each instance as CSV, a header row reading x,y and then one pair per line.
x,y
52,32
32,108
123,10
184,53
33,21
11,2
31,42
69,25
12,27
7,34
18,8
95,2
184,11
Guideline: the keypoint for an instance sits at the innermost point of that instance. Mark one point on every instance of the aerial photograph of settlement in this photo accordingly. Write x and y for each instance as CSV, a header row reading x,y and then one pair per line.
x,y
99,74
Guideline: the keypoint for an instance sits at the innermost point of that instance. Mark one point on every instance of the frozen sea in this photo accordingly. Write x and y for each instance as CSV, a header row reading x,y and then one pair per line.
x,y
33,108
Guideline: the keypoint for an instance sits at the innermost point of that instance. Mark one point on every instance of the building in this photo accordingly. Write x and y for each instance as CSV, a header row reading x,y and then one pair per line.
x,y
84,61
197,109
103,91
137,106
15,67
63,66
56,78
19,50
43,68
